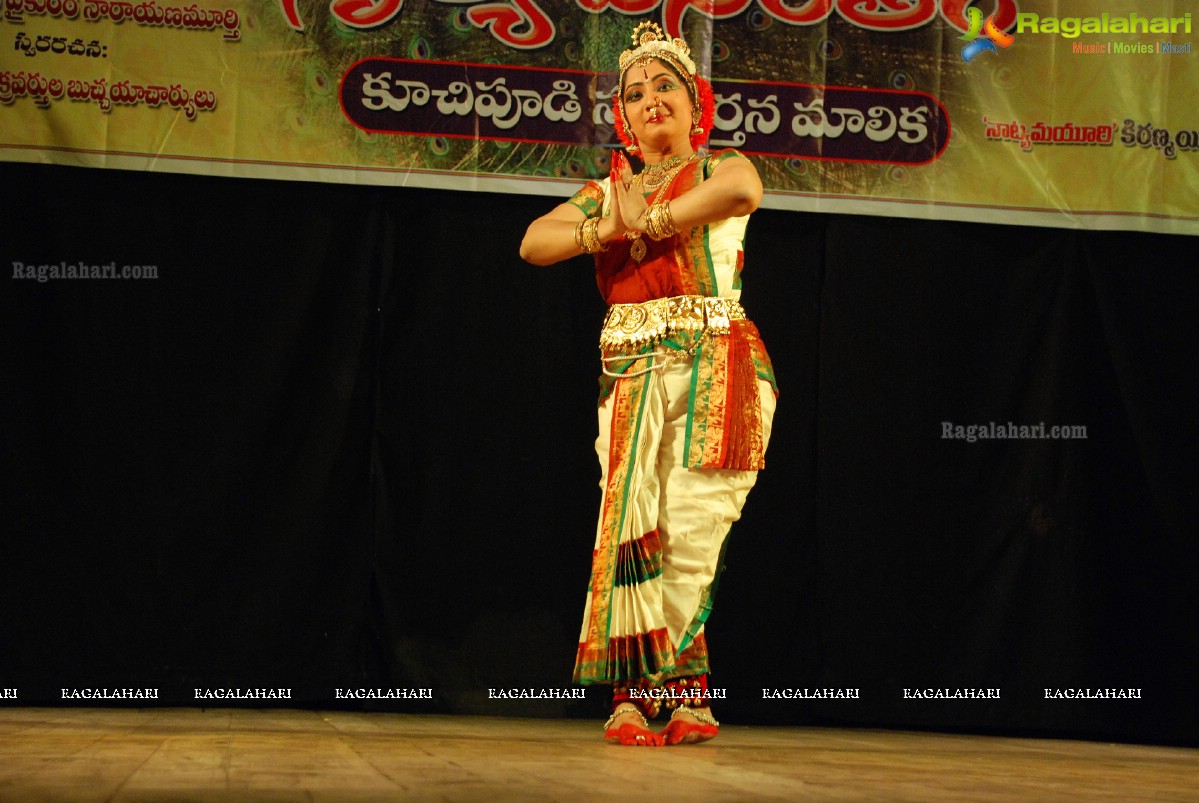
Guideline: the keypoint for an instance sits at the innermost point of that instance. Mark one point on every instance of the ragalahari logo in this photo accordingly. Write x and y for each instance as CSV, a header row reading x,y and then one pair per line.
x,y
992,36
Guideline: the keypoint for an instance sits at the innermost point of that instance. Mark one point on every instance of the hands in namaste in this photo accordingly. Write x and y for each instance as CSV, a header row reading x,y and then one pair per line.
x,y
628,204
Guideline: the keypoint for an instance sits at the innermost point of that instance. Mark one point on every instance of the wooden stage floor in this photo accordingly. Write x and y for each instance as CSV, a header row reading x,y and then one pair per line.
x,y
274,755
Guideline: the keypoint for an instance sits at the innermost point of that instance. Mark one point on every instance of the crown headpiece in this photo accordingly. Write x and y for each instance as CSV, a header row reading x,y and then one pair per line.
x,y
650,42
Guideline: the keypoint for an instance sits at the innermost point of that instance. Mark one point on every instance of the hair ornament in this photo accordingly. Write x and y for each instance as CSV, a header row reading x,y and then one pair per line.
x,y
650,42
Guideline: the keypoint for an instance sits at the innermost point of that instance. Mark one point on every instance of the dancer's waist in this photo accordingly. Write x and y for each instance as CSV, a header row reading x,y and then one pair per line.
x,y
633,326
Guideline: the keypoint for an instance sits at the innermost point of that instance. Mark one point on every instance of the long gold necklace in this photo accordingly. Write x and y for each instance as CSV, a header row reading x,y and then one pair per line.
x,y
654,178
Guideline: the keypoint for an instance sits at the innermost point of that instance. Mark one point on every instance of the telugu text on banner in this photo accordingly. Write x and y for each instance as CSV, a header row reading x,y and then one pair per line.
x,y
1073,114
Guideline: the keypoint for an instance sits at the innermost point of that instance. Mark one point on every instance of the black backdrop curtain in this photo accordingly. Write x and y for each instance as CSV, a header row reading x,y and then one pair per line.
x,y
343,440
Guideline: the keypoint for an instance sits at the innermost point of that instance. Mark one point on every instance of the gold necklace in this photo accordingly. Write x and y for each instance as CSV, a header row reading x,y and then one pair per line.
x,y
661,174
654,176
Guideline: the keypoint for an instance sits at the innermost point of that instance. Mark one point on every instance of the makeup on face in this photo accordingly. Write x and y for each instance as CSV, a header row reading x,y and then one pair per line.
x,y
661,83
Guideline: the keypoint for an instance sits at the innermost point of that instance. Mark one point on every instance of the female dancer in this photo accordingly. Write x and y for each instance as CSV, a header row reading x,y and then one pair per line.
x,y
687,393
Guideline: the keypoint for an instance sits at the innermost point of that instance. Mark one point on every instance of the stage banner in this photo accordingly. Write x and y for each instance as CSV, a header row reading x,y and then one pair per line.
x,y
1078,113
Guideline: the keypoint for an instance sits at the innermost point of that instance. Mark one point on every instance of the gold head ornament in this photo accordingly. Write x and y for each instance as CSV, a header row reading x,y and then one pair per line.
x,y
650,42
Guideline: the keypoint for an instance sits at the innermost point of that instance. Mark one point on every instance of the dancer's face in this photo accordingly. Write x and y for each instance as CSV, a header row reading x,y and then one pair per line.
x,y
656,104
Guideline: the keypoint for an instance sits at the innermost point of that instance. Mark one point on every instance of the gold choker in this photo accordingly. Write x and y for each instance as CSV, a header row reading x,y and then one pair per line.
x,y
654,176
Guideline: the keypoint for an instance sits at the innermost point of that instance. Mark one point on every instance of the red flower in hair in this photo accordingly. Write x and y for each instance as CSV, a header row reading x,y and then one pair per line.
x,y
625,136
707,111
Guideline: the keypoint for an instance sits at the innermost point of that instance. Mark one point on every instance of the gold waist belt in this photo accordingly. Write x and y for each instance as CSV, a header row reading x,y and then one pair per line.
x,y
632,326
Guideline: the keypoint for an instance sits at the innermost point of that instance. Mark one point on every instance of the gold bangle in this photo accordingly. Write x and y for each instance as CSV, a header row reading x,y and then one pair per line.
x,y
579,235
670,228
587,236
594,245
651,229
659,224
